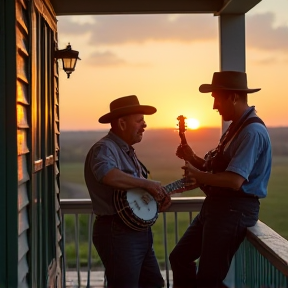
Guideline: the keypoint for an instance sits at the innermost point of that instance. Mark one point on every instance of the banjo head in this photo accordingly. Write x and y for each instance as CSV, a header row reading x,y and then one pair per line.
x,y
142,204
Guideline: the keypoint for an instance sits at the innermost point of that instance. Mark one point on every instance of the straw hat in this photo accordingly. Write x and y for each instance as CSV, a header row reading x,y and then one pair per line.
x,y
125,106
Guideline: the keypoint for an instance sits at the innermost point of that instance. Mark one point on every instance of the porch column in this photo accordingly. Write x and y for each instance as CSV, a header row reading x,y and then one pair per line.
x,y
232,45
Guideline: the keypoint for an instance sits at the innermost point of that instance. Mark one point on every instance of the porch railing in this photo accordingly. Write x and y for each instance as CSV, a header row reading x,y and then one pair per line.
x,y
261,261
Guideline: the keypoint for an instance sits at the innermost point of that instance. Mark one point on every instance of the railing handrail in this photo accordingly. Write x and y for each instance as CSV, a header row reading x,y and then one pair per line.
x,y
179,204
270,244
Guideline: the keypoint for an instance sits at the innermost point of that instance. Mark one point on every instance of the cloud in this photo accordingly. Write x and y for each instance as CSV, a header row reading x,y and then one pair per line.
x,y
121,29
67,26
109,58
139,29
261,34
271,61
142,28
266,61
106,58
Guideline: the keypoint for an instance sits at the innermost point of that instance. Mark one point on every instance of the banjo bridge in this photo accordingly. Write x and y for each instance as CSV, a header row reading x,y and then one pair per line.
x,y
146,198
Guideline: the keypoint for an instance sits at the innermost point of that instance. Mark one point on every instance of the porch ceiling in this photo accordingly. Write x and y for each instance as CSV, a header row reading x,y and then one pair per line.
x,y
101,7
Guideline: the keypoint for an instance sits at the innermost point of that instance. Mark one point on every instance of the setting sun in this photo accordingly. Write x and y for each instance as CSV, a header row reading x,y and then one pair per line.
x,y
192,123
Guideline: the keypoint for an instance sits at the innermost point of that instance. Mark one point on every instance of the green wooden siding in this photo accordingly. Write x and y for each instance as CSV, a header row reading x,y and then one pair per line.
x,y
30,254
44,236
10,138
58,214
3,203
23,129
30,216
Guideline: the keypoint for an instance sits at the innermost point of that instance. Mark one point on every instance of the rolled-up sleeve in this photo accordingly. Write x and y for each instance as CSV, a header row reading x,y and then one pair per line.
x,y
103,160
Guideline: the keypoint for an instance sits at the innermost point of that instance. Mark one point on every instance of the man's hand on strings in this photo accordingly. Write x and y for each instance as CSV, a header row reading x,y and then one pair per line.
x,y
155,189
159,194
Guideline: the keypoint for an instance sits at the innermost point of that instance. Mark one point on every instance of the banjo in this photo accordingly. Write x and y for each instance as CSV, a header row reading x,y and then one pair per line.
x,y
138,209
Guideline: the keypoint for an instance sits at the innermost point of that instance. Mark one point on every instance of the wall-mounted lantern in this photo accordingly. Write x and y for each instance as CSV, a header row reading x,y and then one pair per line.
x,y
69,58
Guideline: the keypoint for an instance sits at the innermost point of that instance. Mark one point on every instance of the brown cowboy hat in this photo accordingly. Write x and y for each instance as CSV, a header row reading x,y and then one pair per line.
x,y
228,80
124,106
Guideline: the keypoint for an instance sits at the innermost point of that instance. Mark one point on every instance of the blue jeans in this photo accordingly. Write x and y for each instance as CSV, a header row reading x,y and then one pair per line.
x,y
213,237
127,255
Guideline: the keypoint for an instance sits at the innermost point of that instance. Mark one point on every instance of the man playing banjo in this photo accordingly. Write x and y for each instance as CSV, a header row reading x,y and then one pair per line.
x,y
125,246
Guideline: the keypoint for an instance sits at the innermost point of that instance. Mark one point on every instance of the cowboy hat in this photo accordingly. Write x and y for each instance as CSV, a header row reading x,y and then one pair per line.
x,y
124,106
228,80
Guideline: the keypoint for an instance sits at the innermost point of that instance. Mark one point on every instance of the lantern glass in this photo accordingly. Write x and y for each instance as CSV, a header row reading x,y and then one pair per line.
x,y
69,63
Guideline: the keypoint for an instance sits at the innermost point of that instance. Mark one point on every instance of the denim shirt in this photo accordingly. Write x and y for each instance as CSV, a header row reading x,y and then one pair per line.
x,y
250,154
108,153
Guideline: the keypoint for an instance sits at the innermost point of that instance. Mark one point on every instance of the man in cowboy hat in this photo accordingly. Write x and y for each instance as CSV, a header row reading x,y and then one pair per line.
x,y
234,176
111,166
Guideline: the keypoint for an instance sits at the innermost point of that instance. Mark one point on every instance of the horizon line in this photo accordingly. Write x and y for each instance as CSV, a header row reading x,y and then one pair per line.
x,y
159,128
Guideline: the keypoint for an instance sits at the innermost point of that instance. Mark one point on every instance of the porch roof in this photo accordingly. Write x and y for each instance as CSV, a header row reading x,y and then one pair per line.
x,y
102,7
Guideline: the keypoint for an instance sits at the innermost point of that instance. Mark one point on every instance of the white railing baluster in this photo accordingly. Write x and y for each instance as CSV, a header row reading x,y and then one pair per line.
x,y
166,249
90,229
63,252
77,249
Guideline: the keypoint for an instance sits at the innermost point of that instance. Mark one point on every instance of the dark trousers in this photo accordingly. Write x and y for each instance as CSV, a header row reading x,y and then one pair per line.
x,y
127,255
213,237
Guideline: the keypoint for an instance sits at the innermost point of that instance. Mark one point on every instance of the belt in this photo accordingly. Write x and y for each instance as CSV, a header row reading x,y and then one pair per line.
x,y
105,216
231,194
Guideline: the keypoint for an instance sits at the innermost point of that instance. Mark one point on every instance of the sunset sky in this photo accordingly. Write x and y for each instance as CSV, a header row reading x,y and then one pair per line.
x,y
163,59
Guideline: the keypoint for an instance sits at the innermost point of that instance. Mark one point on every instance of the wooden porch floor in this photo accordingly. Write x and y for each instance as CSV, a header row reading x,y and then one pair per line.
x,y
96,279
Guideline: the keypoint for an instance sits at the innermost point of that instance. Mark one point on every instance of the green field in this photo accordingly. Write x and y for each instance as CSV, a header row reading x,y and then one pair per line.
x,y
274,212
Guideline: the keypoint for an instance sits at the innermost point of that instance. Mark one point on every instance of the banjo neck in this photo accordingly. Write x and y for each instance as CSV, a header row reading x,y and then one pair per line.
x,y
175,187
178,186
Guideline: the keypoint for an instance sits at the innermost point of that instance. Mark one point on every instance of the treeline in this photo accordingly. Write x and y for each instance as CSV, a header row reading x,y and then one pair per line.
x,y
74,145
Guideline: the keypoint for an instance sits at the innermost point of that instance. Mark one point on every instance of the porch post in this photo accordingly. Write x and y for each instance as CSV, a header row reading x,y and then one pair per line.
x,y
232,45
